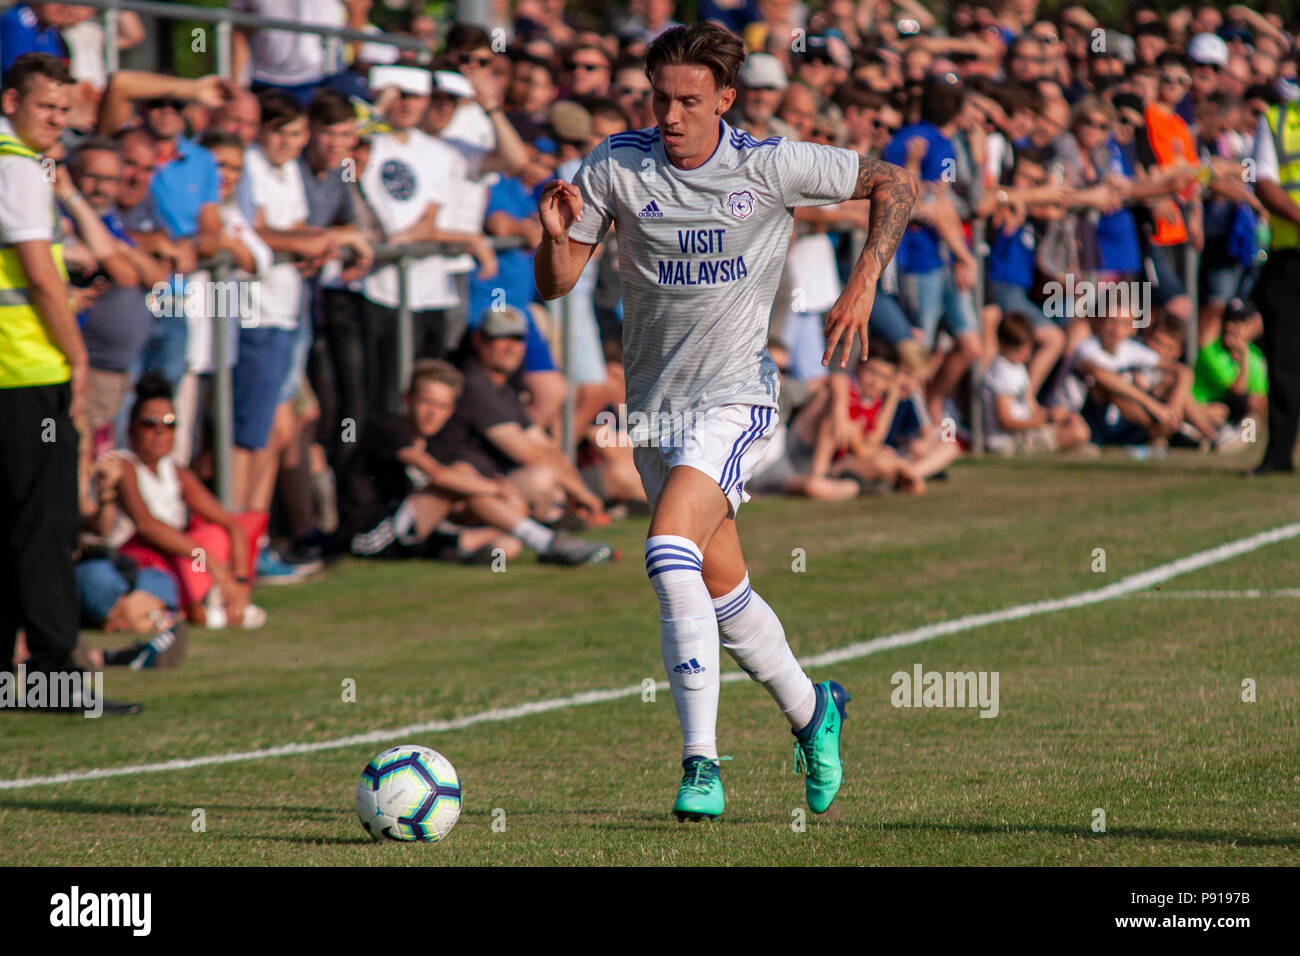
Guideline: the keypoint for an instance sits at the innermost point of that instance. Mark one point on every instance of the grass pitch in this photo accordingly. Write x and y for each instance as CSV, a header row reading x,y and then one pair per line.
x,y
1132,706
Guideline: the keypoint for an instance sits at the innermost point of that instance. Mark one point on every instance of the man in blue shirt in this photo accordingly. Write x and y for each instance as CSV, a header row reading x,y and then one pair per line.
x,y
32,28
184,187
928,286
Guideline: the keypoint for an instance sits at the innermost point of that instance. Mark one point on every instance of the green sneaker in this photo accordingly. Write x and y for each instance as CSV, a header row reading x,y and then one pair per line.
x,y
700,795
817,747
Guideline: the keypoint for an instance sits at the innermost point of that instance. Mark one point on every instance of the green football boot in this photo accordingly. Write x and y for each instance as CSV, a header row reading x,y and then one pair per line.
x,y
817,747
700,795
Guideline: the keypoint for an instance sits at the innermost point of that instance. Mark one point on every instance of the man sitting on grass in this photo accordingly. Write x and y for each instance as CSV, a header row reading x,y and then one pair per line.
x,y
396,494
493,430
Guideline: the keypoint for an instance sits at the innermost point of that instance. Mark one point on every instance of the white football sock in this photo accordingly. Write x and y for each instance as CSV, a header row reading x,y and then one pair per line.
x,y
688,634
752,634
533,535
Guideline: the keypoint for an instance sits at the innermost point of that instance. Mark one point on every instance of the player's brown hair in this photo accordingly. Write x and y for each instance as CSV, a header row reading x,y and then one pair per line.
x,y
704,44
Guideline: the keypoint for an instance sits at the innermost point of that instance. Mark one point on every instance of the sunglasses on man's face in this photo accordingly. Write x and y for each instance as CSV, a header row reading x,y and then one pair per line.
x,y
587,67
482,60
640,94
167,421
1175,79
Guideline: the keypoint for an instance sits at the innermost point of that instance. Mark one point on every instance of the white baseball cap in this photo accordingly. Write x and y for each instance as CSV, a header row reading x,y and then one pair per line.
x,y
762,71
409,79
1208,50
454,84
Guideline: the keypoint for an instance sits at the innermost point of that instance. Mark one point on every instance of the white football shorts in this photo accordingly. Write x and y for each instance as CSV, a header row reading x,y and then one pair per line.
x,y
726,442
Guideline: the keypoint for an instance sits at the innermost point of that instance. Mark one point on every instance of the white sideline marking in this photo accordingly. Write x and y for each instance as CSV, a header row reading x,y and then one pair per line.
x,y
1128,585
1244,593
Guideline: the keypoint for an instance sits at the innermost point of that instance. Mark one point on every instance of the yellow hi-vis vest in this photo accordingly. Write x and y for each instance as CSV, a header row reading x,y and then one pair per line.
x,y
1284,122
27,354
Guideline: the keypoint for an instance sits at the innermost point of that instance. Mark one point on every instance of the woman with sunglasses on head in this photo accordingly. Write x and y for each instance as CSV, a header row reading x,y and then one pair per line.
x,y
180,527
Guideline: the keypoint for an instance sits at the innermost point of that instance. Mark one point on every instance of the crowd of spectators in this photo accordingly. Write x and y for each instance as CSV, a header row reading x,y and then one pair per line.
x,y
1082,155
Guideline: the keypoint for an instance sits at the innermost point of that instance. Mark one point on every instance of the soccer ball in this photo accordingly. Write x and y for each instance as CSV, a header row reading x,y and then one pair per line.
x,y
409,793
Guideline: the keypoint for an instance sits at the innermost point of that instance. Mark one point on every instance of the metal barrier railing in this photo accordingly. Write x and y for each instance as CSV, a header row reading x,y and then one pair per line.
x,y
226,20
220,267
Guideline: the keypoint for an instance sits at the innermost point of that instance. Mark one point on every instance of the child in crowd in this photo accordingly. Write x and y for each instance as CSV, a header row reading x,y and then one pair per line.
x,y
1172,382
1014,422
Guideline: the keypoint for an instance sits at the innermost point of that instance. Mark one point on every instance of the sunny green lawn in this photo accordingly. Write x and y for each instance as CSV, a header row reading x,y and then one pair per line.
x,y
1132,706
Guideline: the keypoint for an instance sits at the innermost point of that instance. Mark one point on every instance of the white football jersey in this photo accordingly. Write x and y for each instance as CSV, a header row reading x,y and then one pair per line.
x,y
700,257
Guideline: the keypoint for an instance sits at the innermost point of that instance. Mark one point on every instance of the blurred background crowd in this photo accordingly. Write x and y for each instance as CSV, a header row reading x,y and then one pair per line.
x,y
1081,270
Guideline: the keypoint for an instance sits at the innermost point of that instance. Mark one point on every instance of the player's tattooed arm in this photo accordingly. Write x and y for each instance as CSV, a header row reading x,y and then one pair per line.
x,y
892,191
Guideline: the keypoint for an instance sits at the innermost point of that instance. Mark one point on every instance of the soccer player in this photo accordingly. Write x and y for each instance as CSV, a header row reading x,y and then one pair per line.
x,y
704,218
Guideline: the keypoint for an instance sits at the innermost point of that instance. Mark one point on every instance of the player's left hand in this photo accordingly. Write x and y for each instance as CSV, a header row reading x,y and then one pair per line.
x,y
847,318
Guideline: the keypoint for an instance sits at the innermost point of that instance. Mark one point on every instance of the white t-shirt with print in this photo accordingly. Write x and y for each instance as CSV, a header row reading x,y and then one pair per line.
x,y
401,179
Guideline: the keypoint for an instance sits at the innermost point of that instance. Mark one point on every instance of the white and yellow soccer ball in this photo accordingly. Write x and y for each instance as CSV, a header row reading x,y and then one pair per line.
x,y
410,794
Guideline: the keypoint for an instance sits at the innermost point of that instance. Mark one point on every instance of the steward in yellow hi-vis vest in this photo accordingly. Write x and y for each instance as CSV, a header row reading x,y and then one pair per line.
x,y
43,374
1277,291
1284,125
27,356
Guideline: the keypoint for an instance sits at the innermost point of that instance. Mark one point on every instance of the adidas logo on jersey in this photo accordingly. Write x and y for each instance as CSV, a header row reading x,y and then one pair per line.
x,y
651,211
689,667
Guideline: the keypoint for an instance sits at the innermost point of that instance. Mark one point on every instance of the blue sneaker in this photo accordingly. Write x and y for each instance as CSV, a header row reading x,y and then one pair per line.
x,y
700,796
272,569
817,747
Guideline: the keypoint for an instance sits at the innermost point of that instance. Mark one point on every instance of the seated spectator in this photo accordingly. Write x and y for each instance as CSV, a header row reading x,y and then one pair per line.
x,y
176,525
396,494
869,398
1171,382
1231,371
113,592
605,457
1014,422
786,465
1103,386
493,431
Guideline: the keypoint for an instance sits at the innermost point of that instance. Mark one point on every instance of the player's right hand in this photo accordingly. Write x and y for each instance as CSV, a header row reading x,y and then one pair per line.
x,y
559,207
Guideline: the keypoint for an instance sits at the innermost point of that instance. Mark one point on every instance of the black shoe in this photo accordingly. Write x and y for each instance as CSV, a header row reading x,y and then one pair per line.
x,y
1268,468
119,708
566,522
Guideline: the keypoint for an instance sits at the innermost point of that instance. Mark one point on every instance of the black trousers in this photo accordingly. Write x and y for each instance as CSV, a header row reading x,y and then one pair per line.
x,y
1278,296
430,341
39,516
340,371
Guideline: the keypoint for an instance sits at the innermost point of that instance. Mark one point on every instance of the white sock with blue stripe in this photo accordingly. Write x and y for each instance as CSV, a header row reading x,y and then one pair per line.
x,y
688,637
752,634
